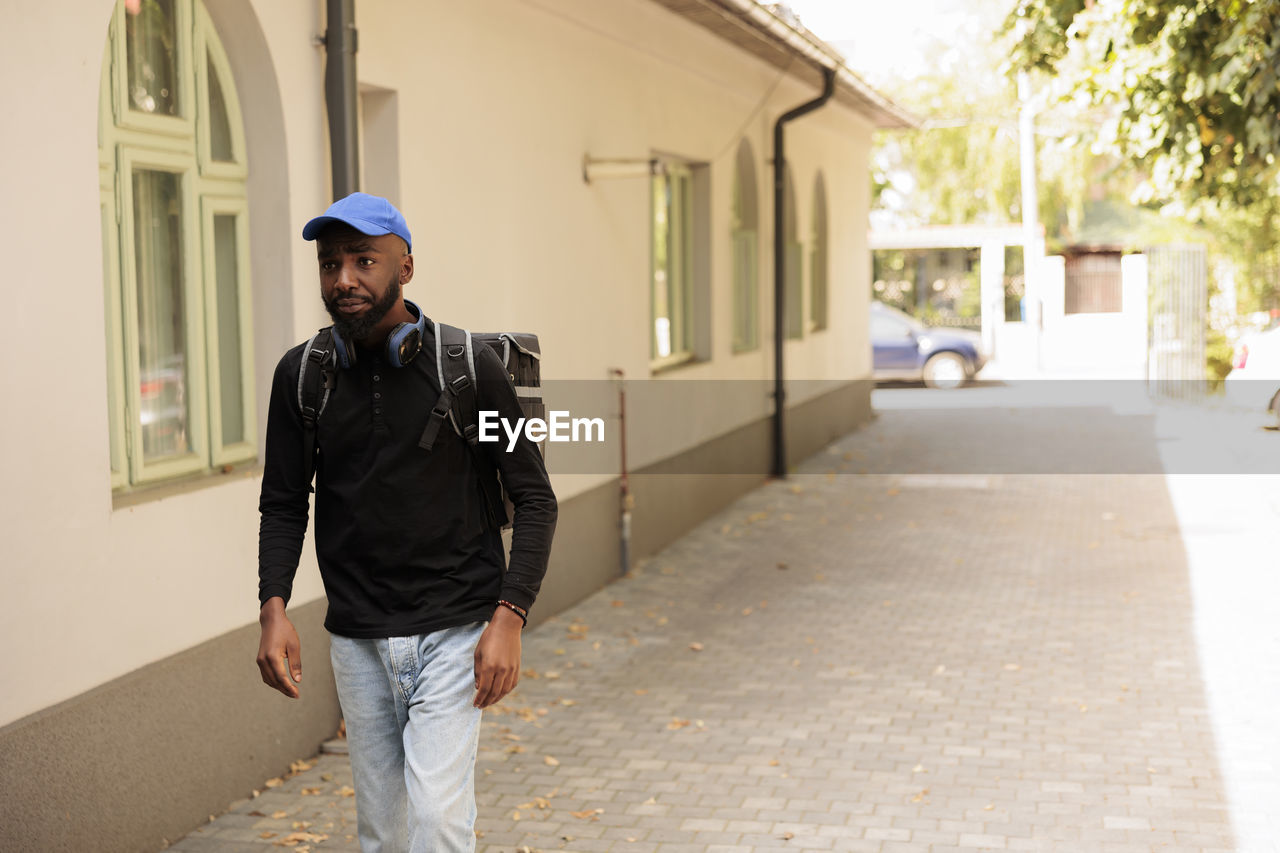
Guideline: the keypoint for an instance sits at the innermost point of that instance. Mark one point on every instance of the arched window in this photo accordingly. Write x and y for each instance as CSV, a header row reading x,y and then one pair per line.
x,y
175,246
745,244
793,258
818,257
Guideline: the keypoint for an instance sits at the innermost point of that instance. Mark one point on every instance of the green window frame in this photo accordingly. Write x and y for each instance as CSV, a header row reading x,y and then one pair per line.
x,y
744,241
175,234
671,337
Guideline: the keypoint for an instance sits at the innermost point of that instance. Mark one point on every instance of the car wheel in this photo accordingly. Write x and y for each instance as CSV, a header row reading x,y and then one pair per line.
x,y
946,370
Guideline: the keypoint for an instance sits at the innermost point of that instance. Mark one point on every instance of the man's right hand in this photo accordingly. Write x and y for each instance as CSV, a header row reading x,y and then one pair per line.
x,y
279,652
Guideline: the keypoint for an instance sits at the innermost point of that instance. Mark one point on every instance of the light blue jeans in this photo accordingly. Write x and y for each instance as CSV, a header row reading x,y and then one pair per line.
x,y
413,732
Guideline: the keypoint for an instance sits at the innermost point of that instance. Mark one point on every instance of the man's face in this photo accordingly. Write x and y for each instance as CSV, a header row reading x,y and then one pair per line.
x,y
360,280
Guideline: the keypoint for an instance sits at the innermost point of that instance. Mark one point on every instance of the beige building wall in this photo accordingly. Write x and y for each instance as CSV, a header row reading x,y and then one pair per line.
x,y
496,103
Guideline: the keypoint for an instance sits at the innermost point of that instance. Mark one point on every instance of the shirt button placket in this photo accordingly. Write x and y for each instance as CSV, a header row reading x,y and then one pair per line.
x,y
377,395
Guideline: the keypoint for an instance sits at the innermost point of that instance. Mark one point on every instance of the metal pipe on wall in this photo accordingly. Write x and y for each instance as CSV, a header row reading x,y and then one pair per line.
x,y
780,266
340,95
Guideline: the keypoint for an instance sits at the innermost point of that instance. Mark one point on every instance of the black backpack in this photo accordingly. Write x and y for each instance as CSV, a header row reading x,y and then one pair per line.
x,y
456,371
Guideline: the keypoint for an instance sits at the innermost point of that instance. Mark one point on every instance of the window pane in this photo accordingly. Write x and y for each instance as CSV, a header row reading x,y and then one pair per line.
x,y
792,283
162,341
744,290
219,124
226,264
661,342
818,256
151,39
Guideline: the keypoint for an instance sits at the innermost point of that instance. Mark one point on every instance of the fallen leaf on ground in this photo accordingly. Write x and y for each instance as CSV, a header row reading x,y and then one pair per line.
x,y
676,723
280,815
299,766
782,565
274,783
787,836
919,768
640,691
346,791
697,647
550,761
267,834
616,603
293,839
588,814
1012,667
311,792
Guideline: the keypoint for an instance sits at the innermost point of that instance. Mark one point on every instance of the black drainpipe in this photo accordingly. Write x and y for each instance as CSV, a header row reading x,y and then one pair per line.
x,y
780,266
340,96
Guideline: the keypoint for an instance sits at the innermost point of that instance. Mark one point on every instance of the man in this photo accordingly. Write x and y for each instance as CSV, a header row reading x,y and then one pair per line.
x,y
424,621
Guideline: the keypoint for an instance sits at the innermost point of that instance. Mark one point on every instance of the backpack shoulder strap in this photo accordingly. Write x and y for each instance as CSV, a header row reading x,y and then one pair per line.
x,y
317,376
455,370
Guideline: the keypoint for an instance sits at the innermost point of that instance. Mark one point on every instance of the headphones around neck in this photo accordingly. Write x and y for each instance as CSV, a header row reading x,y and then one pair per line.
x,y
402,344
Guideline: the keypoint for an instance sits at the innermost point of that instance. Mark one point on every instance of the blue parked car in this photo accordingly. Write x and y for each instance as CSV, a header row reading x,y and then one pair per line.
x,y
903,348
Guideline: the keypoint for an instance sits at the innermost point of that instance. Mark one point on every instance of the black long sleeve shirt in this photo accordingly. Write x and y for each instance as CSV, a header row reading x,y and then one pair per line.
x,y
403,536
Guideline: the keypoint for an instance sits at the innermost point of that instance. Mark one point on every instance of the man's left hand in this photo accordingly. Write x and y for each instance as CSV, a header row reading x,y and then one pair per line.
x,y
498,658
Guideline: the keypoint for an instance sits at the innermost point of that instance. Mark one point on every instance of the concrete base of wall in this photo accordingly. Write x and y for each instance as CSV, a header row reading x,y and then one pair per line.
x,y
139,762
145,759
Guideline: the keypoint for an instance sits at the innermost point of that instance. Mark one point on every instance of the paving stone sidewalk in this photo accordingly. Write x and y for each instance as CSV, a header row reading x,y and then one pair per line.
x,y
851,661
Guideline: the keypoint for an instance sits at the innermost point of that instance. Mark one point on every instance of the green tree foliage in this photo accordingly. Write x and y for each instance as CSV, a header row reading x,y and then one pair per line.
x,y
1189,91
962,166
1193,84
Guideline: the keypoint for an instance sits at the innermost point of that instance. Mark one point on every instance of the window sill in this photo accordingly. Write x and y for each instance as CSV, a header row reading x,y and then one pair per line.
x,y
675,362
127,497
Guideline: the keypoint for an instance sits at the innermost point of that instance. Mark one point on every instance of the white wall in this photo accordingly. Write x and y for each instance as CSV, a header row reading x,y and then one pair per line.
x,y
93,591
499,100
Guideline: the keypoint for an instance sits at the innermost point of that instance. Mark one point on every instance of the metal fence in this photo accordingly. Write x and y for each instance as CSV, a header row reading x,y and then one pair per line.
x,y
1179,304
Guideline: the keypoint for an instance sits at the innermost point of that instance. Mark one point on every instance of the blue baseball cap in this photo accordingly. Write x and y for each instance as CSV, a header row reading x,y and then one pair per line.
x,y
368,214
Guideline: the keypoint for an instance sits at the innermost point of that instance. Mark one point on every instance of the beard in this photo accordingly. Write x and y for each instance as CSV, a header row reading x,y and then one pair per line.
x,y
359,328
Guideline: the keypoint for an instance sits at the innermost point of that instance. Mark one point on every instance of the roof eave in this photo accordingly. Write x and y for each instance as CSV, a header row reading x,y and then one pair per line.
x,y
759,31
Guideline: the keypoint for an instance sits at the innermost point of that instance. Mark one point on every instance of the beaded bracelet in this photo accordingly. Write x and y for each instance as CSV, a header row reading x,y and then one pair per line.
x,y
519,611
